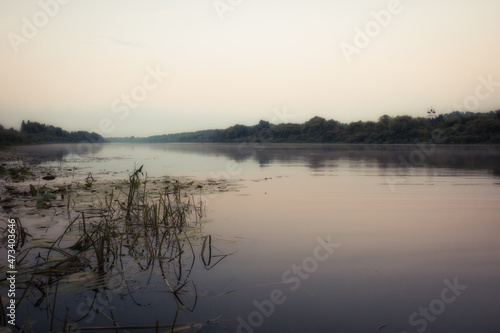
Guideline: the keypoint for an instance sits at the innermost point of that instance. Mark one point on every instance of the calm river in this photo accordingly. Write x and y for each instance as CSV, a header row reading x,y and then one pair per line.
x,y
330,238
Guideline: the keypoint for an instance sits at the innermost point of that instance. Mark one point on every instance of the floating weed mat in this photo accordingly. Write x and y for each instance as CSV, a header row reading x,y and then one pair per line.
x,y
121,239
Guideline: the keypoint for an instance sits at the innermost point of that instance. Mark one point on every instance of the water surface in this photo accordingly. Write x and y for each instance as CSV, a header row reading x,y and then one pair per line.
x,y
408,222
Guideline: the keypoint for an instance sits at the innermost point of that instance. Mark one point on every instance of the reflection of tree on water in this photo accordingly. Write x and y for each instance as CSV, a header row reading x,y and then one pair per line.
x,y
325,156
119,256
317,156
58,152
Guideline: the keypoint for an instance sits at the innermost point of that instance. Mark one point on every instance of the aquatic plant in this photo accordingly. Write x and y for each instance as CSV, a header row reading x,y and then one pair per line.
x,y
129,226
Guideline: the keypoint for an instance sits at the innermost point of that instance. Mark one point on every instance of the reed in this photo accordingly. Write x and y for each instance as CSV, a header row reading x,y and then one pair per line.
x,y
139,225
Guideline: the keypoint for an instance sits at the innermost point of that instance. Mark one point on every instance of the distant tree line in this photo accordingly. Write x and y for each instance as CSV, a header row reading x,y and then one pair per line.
x,y
34,132
199,136
453,128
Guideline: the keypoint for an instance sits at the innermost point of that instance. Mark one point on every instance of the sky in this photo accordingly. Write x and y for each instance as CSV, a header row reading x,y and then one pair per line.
x,y
150,67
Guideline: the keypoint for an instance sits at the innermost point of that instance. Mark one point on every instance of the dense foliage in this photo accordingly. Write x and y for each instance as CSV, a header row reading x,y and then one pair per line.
x,y
456,127
33,132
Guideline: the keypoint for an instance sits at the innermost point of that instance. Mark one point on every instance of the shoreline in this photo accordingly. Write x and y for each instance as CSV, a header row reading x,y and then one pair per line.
x,y
6,148
32,191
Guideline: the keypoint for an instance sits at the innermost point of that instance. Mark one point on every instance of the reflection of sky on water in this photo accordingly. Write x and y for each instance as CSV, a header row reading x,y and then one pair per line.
x,y
191,159
439,222
397,247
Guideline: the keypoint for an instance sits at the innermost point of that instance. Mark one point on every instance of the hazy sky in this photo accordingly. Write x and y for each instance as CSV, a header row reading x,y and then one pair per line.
x,y
102,65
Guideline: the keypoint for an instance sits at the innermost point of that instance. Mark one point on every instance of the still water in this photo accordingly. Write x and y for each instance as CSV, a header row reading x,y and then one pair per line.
x,y
331,238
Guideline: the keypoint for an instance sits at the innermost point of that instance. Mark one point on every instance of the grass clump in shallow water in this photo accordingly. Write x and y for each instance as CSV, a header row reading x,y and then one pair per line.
x,y
137,235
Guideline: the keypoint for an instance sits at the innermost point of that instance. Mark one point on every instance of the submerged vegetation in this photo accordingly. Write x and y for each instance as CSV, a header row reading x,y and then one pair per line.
x,y
137,234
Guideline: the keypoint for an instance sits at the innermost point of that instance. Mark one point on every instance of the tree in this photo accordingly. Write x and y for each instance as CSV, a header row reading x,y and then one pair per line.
x,y
313,130
314,125
400,125
263,124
